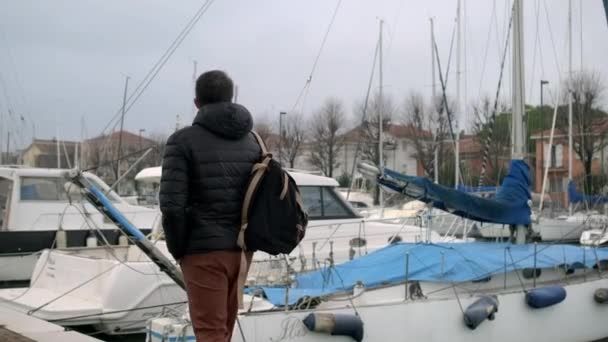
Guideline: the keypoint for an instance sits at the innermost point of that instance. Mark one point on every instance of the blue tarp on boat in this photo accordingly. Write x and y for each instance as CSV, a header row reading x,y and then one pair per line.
x,y
509,205
576,197
448,262
469,188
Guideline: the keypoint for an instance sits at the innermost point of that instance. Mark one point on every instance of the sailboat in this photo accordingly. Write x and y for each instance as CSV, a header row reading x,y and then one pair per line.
x,y
440,292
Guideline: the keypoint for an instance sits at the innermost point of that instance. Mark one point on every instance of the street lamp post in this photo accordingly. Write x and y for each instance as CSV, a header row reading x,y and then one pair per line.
x,y
281,136
141,130
542,129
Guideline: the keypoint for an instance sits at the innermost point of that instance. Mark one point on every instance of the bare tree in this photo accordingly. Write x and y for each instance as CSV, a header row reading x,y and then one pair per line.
x,y
369,130
428,127
493,134
293,138
370,127
325,130
588,120
264,130
155,158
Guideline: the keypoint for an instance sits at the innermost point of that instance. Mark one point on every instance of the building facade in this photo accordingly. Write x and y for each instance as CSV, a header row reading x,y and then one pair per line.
x,y
50,154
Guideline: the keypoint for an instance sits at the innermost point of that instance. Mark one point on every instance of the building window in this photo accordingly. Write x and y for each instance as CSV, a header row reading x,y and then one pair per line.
x,y
554,156
555,185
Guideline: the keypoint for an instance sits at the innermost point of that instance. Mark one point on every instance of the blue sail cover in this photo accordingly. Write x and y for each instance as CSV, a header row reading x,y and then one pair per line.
x,y
606,8
469,188
509,206
576,197
446,263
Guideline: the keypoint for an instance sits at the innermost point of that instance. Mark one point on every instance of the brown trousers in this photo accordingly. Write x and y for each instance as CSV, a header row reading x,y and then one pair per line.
x,y
214,282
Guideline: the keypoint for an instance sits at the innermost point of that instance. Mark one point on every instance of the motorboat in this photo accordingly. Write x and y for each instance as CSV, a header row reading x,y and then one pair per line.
x,y
38,211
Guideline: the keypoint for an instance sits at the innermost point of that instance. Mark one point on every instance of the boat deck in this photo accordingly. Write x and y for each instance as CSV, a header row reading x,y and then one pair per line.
x,y
19,327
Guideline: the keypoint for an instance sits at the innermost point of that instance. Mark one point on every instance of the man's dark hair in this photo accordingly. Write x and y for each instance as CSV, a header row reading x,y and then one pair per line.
x,y
213,86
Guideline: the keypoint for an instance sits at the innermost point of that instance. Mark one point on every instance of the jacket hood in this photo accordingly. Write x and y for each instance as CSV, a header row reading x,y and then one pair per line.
x,y
226,119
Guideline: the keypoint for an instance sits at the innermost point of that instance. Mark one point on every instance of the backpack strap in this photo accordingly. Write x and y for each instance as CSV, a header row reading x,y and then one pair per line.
x,y
260,141
257,171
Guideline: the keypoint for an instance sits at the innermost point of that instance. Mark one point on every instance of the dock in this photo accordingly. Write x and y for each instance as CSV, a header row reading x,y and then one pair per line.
x,y
18,327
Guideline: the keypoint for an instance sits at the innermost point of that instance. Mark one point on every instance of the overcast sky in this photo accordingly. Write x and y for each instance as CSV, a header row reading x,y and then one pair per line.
x,y
63,62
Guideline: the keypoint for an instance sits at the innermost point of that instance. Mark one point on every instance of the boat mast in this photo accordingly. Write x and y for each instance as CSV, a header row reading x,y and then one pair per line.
x,y
380,114
8,146
458,111
433,99
57,146
518,96
122,123
570,142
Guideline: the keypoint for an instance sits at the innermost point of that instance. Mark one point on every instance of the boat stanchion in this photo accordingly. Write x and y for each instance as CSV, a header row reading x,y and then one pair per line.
x,y
407,271
314,255
598,264
534,275
505,272
584,263
442,264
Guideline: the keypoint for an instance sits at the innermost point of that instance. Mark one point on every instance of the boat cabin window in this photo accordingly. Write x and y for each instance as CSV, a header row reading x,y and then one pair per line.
x,y
45,189
359,205
322,202
52,189
6,187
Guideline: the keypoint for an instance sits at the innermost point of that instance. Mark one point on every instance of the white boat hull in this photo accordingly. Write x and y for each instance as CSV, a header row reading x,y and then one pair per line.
x,y
577,318
17,267
89,287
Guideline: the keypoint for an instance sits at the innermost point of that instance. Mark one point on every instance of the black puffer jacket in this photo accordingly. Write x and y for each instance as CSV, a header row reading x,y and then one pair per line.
x,y
206,168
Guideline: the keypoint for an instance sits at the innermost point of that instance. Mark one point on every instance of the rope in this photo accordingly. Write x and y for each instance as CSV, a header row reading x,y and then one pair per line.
x,y
551,36
515,269
457,299
314,65
495,108
109,247
446,105
31,312
117,311
110,162
344,288
363,119
447,75
487,49
238,323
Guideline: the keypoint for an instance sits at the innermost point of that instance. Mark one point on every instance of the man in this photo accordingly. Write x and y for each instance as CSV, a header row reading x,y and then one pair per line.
x,y
206,168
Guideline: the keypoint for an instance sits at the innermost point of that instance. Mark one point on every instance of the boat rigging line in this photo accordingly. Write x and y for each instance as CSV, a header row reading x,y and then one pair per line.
x,y
363,120
445,105
492,122
314,65
118,311
126,156
151,75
